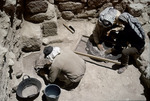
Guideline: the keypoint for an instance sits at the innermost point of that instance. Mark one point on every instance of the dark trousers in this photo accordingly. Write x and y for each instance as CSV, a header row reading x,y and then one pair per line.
x,y
129,52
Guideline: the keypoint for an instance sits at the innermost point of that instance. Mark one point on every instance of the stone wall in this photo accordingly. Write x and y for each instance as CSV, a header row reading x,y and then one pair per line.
x,y
9,54
88,9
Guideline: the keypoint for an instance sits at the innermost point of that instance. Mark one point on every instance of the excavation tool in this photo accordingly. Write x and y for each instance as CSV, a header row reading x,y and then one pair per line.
x,y
70,28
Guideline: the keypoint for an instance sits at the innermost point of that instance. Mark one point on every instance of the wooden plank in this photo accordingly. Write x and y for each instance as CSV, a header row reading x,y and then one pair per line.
x,y
78,41
97,58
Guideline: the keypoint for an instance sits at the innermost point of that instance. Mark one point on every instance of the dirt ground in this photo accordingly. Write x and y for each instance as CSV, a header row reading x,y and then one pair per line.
x,y
100,81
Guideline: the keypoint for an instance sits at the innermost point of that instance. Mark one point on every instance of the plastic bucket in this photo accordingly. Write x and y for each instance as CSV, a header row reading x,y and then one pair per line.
x,y
28,88
52,92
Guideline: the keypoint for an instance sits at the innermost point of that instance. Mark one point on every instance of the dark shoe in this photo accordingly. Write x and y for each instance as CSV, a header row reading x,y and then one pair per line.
x,y
122,69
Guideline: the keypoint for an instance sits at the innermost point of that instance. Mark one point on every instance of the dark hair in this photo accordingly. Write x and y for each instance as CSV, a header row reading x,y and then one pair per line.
x,y
106,23
47,50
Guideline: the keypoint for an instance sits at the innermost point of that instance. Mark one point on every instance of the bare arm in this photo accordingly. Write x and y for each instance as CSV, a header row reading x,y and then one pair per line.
x,y
53,74
116,29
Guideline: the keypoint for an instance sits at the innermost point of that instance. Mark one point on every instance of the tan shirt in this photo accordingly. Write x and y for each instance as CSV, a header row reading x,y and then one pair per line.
x,y
68,64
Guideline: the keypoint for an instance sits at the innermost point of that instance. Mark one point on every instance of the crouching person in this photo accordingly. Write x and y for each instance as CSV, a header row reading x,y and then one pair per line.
x,y
63,66
132,38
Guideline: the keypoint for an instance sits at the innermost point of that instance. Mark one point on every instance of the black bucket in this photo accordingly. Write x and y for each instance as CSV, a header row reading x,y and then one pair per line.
x,y
52,92
28,89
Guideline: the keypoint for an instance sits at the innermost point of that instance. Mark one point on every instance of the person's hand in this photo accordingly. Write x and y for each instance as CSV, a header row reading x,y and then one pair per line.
x,y
41,72
47,62
46,77
100,47
108,51
112,30
108,33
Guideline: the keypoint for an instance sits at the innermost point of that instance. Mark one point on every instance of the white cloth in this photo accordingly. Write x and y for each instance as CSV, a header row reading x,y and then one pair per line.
x,y
109,14
53,54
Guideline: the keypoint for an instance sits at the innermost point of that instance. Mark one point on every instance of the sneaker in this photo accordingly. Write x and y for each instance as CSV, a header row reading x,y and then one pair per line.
x,y
122,69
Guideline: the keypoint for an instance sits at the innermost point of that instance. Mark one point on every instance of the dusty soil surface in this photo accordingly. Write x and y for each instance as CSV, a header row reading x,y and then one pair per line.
x,y
100,81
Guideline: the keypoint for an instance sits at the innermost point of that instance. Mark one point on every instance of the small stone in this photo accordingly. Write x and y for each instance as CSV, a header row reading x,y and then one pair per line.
x,y
19,74
14,89
10,62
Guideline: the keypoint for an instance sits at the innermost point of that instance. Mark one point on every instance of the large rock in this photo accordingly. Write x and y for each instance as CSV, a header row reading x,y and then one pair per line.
x,y
28,1
30,44
70,6
96,3
88,13
49,28
67,15
35,7
40,17
136,9
31,37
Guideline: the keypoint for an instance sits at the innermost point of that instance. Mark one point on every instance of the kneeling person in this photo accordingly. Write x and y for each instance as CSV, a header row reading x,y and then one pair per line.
x,y
65,66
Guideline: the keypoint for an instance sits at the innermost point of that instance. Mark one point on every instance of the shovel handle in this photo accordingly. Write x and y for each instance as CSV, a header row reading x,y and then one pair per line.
x,y
97,58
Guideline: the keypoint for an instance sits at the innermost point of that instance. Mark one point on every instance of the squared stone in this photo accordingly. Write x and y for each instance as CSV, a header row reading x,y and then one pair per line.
x,y
49,28
49,32
49,24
